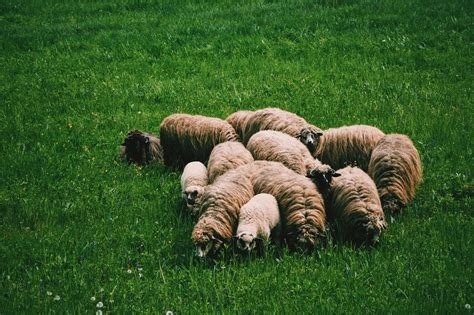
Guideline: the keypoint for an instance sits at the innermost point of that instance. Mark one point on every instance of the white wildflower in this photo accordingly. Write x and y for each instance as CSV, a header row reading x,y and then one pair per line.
x,y
93,298
129,270
98,312
140,275
467,306
57,298
101,290
49,293
169,313
111,301
100,305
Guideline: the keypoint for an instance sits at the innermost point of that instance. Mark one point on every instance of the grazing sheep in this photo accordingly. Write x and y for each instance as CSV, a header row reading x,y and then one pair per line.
x,y
301,206
225,157
186,138
248,123
396,168
220,207
355,205
193,181
270,145
258,218
348,145
141,148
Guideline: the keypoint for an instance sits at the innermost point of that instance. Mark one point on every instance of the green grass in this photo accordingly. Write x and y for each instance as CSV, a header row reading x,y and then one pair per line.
x,y
77,75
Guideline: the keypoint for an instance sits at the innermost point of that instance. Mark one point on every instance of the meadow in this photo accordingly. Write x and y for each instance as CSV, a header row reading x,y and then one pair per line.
x,y
81,231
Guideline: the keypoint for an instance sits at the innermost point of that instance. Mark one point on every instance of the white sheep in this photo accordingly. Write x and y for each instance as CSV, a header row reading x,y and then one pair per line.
x,y
258,218
193,182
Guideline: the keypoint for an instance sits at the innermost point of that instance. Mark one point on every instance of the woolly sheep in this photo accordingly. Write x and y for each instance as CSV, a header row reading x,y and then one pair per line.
x,y
355,205
141,148
193,181
277,146
258,218
301,206
186,138
248,123
348,145
396,168
225,157
220,208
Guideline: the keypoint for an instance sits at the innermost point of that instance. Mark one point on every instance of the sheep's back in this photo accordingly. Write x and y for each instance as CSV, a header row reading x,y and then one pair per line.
x,y
396,167
227,156
348,145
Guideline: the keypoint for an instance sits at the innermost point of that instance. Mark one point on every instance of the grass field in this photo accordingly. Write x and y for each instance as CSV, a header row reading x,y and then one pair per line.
x,y
79,227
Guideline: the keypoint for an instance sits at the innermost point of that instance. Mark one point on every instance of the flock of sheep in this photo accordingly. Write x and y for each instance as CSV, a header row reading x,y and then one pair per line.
x,y
270,175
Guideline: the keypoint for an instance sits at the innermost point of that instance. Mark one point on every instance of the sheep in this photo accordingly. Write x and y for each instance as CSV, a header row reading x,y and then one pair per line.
x,y
141,148
227,156
396,168
220,208
257,220
186,138
354,204
238,120
348,145
301,206
277,146
193,182
248,123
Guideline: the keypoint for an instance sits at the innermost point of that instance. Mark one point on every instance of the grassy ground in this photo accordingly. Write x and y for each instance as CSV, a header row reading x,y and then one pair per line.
x,y
79,227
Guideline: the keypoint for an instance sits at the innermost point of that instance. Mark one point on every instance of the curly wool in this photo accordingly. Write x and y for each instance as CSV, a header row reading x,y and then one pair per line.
x,y
186,138
225,157
259,216
193,181
238,120
355,205
348,145
220,207
248,123
301,205
396,168
270,145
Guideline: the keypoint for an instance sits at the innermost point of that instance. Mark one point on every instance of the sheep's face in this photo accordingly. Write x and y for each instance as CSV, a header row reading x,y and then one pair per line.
x,y
322,176
310,138
368,232
392,204
207,245
137,147
192,195
305,238
246,242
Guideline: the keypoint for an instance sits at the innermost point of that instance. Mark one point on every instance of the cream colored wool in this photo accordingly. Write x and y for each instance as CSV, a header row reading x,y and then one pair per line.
x,y
348,145
257,219
355,205
395,166
193,181
248,123
225,157
186,138
270,145
301,205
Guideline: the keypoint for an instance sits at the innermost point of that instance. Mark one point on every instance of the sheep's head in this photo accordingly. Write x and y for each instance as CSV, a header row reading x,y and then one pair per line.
x,y
310,137
368,230
305,238
392,204
206,243
137,147
248,242
322,176
192,196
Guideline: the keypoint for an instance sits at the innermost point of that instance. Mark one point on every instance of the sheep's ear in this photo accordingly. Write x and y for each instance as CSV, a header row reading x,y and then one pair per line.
x,y
336,174
318,133
215,239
